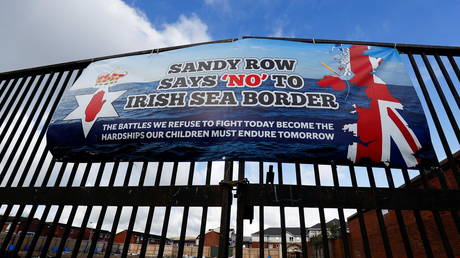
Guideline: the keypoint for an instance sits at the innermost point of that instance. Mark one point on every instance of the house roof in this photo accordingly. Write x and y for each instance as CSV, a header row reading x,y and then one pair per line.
x,y
277,231
294,230
247,239
137,233
329,223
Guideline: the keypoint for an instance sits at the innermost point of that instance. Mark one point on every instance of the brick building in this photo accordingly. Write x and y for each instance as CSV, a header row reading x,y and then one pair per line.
x,y
392,227
211,238
137,238
58,232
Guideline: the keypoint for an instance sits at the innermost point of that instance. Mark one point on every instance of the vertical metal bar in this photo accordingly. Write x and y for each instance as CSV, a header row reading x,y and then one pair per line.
x,y
45,212
129,170
148,224
204,213
448,80
185,214
84,178
322,218
61,172
443,182
39,231
37,170
129,232
381,221
164,230
21,116
437,218
261,215
67,229
418,219
5,215
362,224
58,214
143,173
226,209
68,226
20,138
97,231
3,87
28,122
343,225
454,66
72,175
47,121
452,163
8,93
113,231
89,209
100,173
442,97
13,102
282,214
399,217
10,87
50,235
23,233
303,233
13,225
239,215
42,132
47,176
114,174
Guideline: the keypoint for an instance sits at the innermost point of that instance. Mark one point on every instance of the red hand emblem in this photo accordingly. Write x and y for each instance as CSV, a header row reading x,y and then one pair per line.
x,y
94,106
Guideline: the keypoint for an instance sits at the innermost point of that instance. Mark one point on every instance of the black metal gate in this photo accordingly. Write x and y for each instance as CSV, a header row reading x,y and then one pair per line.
x,y
107,209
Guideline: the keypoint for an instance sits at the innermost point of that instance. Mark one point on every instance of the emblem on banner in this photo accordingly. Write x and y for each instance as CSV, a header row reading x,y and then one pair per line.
x,y
99,104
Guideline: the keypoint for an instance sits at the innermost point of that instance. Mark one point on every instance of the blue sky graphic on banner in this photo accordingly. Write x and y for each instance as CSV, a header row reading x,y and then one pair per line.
x,y
252,99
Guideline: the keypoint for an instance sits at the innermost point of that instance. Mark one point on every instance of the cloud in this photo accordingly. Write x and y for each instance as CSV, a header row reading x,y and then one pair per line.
x,y
49,31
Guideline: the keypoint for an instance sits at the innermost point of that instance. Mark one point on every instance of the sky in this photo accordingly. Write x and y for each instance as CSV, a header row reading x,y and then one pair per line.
x,y
49,31
42,32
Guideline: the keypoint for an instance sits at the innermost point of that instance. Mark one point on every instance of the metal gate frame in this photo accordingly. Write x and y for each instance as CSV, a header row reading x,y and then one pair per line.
x,y
24,146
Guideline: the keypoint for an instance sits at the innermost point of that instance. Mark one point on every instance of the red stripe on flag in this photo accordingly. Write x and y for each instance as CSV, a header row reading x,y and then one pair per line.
x,y
407,135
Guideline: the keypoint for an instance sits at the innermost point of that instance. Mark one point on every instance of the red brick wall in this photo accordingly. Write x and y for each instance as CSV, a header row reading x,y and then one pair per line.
x,y
211,239
335,249
120,237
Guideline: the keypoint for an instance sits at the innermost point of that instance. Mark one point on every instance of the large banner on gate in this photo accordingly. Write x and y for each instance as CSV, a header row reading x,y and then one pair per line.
x,y
252,99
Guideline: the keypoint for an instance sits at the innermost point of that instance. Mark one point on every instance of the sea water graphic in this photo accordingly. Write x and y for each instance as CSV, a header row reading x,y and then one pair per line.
x,y
67,138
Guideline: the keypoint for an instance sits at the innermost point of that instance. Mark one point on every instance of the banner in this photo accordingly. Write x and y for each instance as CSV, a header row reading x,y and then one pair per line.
x,y
252,99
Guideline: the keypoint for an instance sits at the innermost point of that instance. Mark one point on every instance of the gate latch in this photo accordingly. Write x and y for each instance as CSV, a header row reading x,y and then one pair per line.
x,y
232,183
247,211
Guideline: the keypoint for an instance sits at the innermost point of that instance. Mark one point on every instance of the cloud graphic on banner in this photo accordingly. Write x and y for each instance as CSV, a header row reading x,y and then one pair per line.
x,y
60,31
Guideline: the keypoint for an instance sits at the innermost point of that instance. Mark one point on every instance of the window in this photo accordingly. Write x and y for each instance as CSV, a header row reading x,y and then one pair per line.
x,y
291,239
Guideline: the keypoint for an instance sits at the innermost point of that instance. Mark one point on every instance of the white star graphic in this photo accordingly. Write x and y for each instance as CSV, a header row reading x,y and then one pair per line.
x,y
107,109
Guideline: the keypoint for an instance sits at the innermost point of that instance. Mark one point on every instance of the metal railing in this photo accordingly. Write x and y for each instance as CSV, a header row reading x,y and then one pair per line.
x,y
50,199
